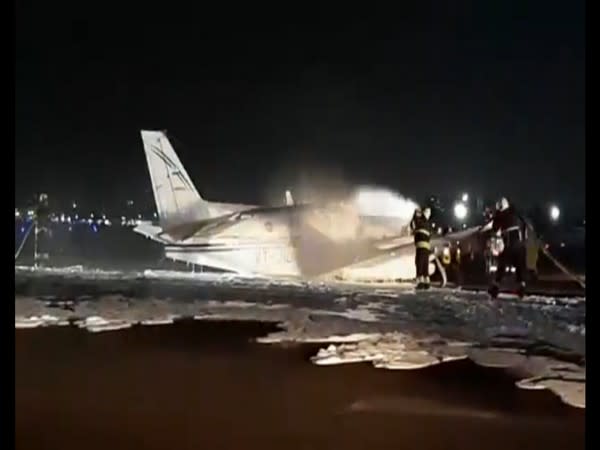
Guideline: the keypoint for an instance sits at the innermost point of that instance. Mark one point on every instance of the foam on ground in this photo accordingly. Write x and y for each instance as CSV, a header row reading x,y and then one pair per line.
x,y
394,329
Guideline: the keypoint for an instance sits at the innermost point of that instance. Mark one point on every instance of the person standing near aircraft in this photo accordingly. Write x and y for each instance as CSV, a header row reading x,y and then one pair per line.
x,y
509,225
41,221
421,231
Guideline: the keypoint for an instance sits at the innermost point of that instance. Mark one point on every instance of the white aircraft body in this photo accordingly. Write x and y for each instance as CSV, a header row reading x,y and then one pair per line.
x,y
330,241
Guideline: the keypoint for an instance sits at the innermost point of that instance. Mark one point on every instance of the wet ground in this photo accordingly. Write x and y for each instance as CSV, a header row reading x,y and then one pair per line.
x,y
206,385
542,339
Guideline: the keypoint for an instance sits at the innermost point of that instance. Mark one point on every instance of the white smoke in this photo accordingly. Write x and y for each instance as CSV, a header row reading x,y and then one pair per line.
x,y
375,201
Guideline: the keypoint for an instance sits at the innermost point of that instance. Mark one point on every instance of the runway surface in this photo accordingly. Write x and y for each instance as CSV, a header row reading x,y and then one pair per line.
x,y
200,384
540,339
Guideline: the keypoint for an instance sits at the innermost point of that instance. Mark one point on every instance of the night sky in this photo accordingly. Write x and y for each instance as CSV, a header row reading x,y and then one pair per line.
x,y
423,100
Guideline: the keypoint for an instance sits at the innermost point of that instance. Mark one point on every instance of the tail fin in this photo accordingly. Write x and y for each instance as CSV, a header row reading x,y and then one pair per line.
x,y
176,197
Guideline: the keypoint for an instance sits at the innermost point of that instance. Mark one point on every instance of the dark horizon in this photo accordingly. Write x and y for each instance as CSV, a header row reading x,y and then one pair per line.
x,y
478,99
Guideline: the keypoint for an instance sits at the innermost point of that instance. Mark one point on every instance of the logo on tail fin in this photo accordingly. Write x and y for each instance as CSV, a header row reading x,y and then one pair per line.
x,y
177,200
174,169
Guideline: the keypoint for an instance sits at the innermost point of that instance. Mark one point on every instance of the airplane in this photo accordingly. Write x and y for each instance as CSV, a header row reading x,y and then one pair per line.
x,y
329,241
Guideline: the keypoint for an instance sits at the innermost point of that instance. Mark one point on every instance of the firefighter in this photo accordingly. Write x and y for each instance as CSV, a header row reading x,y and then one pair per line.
x,y
509,225
42,230
420,228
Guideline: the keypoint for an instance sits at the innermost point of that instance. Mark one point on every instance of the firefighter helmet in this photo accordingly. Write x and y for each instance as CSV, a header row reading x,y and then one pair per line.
x,y
427,212
503,204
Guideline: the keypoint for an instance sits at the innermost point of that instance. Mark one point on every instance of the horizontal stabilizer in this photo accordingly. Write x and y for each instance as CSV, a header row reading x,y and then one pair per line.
x,y
150,231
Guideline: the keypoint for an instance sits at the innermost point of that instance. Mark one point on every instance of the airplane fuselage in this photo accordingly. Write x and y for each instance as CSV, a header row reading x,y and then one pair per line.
x,y
330,240
295,241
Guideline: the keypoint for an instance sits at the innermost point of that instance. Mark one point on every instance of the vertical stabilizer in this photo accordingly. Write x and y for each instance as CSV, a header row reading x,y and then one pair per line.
x,y
176,197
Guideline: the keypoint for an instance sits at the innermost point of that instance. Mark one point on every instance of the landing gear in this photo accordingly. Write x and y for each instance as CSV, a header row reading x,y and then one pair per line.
x,y
493,290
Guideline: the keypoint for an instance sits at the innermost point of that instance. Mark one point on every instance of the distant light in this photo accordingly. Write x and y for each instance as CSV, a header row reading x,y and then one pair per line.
x,y
156,215
554,213
107,222
22,229
129,202
92,215
562,244
62,218
70,228
465,197
74,205
30,212
94,228
103,216
89,221
18,214
139,216
460,211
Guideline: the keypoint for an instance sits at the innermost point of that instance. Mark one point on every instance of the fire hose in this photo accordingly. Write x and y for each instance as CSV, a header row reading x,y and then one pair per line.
x,y
562,267
557,263
552,259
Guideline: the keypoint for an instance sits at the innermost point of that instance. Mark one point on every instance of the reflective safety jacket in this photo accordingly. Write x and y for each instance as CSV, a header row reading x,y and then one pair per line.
x,y
510,225
421,230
